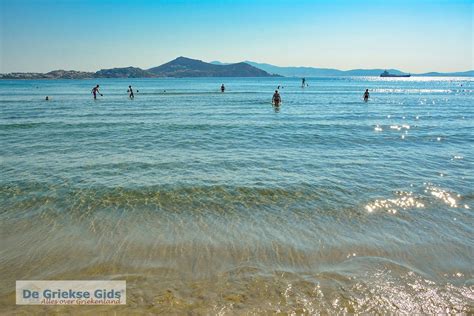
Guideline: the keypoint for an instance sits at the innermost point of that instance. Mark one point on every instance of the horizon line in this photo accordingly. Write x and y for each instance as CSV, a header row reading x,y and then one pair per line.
x,y
247,62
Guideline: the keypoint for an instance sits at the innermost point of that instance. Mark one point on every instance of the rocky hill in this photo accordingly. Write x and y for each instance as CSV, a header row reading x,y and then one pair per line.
x,y
127,72
187,67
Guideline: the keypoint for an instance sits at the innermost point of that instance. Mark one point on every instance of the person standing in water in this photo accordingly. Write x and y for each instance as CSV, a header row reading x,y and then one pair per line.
x,y
366,95
130,92
95,90
303,82
222,88
276,100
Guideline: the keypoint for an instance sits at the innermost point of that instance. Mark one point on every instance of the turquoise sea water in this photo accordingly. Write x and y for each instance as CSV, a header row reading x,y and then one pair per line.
x,y
214,202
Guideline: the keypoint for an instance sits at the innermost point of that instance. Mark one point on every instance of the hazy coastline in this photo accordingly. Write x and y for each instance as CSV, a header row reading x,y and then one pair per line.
x,y
183,67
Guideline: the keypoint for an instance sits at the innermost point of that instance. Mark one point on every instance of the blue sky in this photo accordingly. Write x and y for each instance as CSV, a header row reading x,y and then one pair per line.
x,y
414,36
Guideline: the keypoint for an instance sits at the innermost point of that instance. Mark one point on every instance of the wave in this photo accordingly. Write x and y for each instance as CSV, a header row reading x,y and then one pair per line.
x,y
359,285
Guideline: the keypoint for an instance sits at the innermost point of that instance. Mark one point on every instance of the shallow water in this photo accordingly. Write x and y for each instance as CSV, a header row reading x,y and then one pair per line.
x,y
218,203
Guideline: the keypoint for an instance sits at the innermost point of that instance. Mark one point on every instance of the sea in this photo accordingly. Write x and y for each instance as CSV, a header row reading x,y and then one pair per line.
x,y
221,204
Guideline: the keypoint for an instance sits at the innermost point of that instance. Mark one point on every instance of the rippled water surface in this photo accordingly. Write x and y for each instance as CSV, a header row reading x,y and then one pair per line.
x,y
219,203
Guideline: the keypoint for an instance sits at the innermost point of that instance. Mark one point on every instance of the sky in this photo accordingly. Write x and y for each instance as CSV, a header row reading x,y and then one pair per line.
x,y
411,35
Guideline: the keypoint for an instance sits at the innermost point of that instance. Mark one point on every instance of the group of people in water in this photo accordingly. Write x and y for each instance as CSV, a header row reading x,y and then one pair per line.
x,y
276,99
95,91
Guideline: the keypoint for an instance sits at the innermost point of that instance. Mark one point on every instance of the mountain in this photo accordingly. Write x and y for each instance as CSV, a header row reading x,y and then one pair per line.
x,y
127,72
187,67
330,72
180,67
319,72
469,73
216,62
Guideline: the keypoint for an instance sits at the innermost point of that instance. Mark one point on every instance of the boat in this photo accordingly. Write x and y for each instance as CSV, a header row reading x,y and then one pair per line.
x,y
387,74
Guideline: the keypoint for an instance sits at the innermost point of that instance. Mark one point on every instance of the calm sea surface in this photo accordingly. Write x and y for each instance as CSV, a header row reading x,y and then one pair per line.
x,y
212,202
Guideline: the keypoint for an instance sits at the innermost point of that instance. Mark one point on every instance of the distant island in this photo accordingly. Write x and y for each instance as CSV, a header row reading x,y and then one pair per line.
x,y
187,67
331,72
178,68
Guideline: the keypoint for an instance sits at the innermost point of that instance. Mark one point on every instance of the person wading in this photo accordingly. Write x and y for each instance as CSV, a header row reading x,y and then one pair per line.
x,y
366,95
276,100
96,91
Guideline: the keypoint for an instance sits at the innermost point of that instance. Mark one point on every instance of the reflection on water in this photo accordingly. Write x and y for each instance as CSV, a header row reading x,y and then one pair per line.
x,y
404,200
212,203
